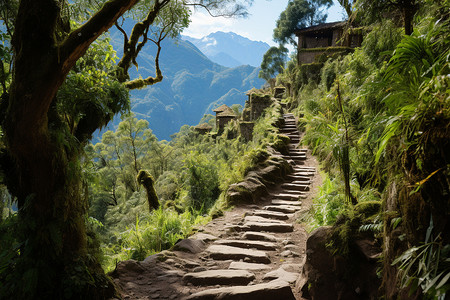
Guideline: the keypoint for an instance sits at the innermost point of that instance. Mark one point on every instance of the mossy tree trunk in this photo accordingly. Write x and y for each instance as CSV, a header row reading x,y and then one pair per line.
x,y
44,174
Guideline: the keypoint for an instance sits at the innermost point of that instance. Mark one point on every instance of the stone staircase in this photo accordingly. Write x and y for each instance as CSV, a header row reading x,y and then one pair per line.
x,y
253,252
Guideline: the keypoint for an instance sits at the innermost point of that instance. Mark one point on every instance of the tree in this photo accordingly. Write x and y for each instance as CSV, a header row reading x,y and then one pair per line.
x,y
299,14
43,145
348,6
273,62
371,10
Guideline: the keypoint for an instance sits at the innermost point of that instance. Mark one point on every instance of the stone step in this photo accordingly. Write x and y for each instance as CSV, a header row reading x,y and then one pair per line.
x,y
223,252
300,182
305,168
298,178
289,209
222,277
295,187
297,157
272,290
269,227
289,196
241,265
303,173
297,153
260,245
261,219
270,214
294,148
258,236
286,202
282,274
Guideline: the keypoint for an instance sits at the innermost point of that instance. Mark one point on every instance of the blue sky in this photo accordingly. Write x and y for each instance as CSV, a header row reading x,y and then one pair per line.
x,y
258,26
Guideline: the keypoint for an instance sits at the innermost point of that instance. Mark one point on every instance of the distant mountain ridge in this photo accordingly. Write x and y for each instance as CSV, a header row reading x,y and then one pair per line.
x,y
191,87
230,49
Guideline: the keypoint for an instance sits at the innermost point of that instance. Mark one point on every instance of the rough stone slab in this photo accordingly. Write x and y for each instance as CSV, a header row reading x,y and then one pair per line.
x,y
205,237
282,274
222,252
240,265
295,187
261,219
304,173
190,245
273,290
259,236
298,178
286,202
270,227
305,168
270,214
223,277
291,196
282,208
249,244
300,182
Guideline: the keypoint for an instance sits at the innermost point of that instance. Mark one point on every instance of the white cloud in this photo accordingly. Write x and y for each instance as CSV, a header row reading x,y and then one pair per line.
x,y
203,24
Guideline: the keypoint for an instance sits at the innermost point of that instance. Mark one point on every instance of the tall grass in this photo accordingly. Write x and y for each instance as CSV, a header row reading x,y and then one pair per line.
x,y
160,231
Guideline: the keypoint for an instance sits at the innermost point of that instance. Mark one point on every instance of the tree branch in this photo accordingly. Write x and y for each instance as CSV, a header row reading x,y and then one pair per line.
x,y
140,82
76,44
130,49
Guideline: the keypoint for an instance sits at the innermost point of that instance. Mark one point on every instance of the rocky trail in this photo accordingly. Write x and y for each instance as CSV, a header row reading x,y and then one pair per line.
x,y
253,251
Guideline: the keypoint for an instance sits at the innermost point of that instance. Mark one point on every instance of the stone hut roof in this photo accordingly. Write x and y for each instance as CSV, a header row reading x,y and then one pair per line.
x,y
203,126
222,108
321,28
226,113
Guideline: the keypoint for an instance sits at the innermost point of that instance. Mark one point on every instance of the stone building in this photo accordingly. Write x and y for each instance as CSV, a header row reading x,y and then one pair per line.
x,y
224,114
203,128
328,39
256,104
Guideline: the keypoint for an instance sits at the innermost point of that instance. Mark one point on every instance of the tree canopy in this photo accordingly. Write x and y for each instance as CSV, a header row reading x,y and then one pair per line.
x,y
299,14
273,62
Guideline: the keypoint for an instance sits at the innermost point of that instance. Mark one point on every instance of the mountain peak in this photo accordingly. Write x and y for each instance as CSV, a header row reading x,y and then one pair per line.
x,y
230,49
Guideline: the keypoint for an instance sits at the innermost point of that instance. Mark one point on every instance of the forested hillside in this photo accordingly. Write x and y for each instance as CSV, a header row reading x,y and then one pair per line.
x,y
192,86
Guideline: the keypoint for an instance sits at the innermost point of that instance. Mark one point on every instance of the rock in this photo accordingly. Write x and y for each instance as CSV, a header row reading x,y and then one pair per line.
x,y
239,265
299,178
261,219
289,209
328,276
190,245
271,214
291,196
205,237
222,252
284,202
273,290
295,186
270,227
199,269
282,274
292,247
223,277
249,244
368,249
131,265
260,236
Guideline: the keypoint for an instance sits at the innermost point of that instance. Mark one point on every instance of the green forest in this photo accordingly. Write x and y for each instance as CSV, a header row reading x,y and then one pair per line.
x,y
376,117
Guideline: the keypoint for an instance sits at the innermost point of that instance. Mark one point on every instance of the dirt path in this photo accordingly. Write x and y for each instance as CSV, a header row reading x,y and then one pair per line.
x,y
252,252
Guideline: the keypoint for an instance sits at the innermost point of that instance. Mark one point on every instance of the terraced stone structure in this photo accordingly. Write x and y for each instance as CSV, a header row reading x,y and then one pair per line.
x,y
255,251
